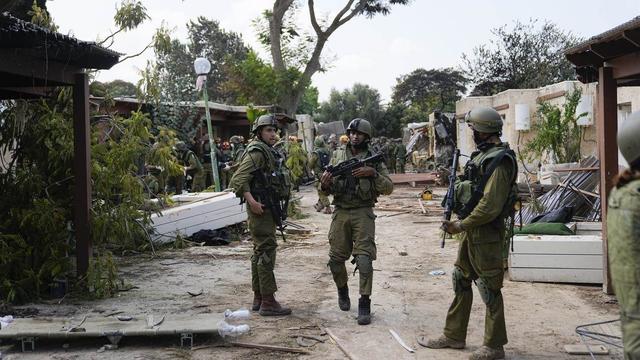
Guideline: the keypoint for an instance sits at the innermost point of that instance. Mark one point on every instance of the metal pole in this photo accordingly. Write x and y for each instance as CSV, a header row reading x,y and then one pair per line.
x,y
212,144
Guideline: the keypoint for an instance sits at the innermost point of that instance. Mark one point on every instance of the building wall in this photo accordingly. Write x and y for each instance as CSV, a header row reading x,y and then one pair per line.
x,y
555,94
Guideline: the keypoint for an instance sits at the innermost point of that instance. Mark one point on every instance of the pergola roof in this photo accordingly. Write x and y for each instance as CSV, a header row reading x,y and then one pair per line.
x,y
622,44
34,57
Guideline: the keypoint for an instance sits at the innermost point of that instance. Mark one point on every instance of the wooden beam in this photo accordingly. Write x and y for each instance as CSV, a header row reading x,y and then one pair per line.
x,y
552,95
501,107
607,127
82,172
33,71
625,66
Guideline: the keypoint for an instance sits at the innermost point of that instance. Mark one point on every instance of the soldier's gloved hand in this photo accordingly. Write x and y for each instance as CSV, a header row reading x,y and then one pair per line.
x,y
365,171
256,207
452,227
326,180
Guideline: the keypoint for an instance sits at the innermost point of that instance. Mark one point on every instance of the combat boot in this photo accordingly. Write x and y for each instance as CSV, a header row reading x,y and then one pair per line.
x,y
441,343
257,300
271,307
364,310
487,353
343,298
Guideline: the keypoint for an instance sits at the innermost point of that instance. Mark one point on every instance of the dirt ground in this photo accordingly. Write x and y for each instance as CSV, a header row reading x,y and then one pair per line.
x,y
541,318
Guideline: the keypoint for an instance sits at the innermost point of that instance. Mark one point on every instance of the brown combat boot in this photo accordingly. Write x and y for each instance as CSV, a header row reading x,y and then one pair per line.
x,y
487,353
271,307
441,343
257,300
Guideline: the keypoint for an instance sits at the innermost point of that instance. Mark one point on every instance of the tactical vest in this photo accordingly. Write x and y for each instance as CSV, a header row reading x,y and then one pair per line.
x,y
351,192
469,187
324,157
185,160
275,172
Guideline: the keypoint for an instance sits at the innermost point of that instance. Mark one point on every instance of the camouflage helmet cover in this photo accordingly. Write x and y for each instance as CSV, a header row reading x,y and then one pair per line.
x,y
264,120
484,119
360,125
628,135
319,141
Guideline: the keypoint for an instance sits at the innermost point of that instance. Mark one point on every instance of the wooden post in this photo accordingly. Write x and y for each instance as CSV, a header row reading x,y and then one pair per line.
x,y
82,172
607,128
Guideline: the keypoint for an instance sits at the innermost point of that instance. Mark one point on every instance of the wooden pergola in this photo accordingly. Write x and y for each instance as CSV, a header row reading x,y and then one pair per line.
x,y
612,59
34,60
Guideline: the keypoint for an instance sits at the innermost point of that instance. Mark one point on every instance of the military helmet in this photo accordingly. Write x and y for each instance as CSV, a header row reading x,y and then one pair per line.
x,y
628,135
319,141
235,139
264,120
484,119
181,146
360,125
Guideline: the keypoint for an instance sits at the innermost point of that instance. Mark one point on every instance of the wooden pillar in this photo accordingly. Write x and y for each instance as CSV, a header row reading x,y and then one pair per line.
x,y
607,128
82,172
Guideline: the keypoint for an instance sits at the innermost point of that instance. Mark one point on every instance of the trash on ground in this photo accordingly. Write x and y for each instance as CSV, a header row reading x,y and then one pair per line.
x,y
437,272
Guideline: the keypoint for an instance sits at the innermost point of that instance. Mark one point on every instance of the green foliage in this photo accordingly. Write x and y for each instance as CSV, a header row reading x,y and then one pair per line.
x,y
296,161
130,14
253,113
430,90
556,131
113,88
253,81
309,103
102,276
524,56
294,211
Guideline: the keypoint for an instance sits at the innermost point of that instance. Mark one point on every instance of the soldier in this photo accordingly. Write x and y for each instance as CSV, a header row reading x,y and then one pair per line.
x,y
623,234
260,156
225,161
491,172
192,167
352,230
320,158
391,151
401,154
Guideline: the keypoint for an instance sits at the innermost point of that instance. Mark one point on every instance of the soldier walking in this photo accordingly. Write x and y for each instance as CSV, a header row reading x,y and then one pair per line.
x,y
401,154
259,156
352,230
489,184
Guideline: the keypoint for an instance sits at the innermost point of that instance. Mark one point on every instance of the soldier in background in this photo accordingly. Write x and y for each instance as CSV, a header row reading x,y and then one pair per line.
x,y
401,154
320,158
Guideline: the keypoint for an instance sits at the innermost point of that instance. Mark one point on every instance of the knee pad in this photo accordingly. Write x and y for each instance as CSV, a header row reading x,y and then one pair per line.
x,y
487,294
364,264
460,283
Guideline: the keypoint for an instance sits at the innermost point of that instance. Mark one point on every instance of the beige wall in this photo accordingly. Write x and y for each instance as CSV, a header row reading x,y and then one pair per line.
x,y
505,102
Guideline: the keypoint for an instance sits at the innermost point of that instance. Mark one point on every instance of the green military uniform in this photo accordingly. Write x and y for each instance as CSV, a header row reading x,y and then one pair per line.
x,y
623,230
260,156
319,159
391,156
225,175
480,253
352,230
194,169
401,154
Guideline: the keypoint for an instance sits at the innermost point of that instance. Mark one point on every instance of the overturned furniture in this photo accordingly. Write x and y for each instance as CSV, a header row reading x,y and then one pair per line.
x,y
559,258
197,211
27,331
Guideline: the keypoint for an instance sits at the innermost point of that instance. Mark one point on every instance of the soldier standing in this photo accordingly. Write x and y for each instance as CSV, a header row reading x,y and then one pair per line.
x,y
260,156
192,167
491,172
391,151
319,160
623,234
401,154
352,230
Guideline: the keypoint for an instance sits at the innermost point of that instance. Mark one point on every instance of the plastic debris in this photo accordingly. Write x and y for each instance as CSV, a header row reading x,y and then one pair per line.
x,y
5,321
225,329
241,314
437,272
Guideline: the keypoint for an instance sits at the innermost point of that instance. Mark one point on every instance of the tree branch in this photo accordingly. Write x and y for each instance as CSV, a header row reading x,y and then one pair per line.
x,y
137,54
314,21
280,7
109,37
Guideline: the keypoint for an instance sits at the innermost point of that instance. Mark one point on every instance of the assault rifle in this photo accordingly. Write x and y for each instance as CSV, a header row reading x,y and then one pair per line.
x,y
450,197
271,201
346,167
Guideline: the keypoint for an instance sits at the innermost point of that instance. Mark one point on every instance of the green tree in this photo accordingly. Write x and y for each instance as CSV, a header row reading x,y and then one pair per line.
x,y
113,88
23,9
361,101
556,132
289,49
430,90
523,56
